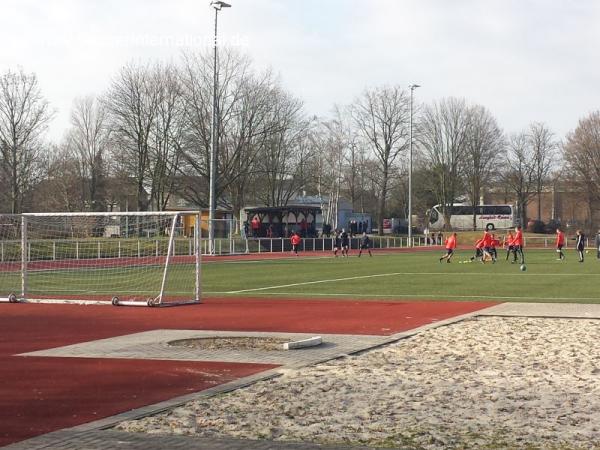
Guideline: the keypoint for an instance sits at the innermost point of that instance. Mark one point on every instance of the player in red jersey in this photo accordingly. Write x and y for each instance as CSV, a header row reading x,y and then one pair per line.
x,y
560,243
450,247
518,245
478,250
487,247
295,241
495,245
509,241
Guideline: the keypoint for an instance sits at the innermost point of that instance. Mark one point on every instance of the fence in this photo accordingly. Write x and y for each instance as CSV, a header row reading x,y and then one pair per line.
x,y
46,249
10,251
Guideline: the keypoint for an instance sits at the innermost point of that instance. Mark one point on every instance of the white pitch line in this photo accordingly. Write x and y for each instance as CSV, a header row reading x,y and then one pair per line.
x,y
332,280
304,283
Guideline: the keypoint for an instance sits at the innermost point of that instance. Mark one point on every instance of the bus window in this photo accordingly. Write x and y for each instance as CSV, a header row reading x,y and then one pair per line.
x,y
433,216
497,210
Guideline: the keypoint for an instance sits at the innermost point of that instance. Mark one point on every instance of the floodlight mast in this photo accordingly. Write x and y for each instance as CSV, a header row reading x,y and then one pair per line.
x,y
219,5
212,201
412,88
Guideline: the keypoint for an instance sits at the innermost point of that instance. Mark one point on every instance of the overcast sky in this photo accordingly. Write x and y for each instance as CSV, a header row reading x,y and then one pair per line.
x,y
525,60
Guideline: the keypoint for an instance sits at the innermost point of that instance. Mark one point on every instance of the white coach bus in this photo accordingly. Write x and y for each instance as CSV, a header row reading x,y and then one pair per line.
x,y
486,216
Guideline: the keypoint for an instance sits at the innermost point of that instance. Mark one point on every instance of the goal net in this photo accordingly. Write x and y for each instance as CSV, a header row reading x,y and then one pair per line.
x,y
145,258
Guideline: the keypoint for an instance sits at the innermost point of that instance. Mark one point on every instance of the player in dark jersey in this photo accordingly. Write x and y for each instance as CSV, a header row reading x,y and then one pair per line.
x,y
345,242
580,244
337,242
365,244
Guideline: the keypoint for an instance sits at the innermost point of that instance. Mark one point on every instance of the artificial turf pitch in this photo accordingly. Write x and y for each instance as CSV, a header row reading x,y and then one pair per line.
x,y
412,276
386,276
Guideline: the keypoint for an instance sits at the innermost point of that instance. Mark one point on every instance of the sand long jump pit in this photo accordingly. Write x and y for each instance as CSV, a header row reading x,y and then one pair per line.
x,y
485,382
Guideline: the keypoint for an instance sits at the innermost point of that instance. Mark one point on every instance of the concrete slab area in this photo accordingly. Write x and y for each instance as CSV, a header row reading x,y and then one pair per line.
x,y
155,345
562,310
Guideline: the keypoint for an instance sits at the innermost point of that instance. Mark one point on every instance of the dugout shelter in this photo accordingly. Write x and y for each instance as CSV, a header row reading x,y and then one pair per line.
x,y
283,220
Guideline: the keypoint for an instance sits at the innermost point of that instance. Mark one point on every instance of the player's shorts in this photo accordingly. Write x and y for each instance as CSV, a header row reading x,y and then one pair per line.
x,y
478,252
364,246
345,244
449,251
487,249
294,247
559,247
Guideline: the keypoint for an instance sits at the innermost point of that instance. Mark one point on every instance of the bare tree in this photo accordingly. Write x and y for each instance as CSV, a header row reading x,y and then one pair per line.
x,y
544,148
132,104
167,136
281,165
331,141
381,115
582,154
24,117
248,132
197,81
484,149
444,135
61,189
89,139
519,175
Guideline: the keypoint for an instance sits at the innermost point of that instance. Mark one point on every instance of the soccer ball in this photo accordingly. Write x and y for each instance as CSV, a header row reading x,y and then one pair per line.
x,y
523,267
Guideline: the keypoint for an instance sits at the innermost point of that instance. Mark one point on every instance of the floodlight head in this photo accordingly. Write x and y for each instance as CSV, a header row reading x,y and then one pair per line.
x,y
414,86
218,5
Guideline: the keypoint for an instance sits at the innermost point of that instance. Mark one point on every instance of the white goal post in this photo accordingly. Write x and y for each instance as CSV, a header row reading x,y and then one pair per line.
x,y
123,258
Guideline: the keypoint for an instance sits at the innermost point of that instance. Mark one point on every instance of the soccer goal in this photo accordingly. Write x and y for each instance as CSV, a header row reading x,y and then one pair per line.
x,y
132,258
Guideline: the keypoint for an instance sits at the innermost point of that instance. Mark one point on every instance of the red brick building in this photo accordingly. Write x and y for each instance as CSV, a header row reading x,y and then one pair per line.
x,y
566,204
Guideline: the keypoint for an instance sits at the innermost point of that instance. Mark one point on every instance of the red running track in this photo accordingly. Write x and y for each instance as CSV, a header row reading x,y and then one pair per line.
x,y
39,395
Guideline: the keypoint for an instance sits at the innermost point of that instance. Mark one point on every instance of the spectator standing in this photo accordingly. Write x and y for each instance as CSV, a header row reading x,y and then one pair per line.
x,y
255,226
304,228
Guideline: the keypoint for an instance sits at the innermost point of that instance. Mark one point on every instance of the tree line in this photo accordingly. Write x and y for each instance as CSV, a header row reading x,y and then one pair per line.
x,y
145,142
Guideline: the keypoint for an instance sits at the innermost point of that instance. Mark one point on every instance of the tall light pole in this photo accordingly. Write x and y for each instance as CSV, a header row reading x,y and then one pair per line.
x,y
214,144
410,165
